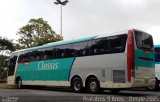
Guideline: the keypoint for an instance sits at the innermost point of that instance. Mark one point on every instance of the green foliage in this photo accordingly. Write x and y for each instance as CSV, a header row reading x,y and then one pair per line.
x,y
36,32
6,45
3,74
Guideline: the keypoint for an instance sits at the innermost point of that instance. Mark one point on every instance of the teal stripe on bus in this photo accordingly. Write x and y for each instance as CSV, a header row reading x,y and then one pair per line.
x,y
142,63
71,69
50,70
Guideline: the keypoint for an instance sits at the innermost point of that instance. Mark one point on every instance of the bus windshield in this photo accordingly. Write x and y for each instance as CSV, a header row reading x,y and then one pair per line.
x,y
144,41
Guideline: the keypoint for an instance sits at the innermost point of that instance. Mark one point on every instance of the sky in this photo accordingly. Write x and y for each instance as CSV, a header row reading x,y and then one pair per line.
x,y
82,18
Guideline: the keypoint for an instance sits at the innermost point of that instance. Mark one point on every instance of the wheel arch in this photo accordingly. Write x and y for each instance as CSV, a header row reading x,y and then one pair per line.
x,y
89,76
17,78
74,76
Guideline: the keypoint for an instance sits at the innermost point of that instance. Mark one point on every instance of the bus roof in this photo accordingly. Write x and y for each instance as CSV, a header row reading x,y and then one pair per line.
x,y
72,41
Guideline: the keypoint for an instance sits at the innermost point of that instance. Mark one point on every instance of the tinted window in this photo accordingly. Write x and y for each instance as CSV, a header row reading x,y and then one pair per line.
x,y
21,57
35,55
144,41
69,51
117,43
113,44
157,54
97,46
107,45
24,57
64,51
49,53
80,49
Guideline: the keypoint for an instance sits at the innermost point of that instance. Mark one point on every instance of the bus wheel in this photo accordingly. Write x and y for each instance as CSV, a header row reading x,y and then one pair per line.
x,y
77,84
19,83
93,85
155,87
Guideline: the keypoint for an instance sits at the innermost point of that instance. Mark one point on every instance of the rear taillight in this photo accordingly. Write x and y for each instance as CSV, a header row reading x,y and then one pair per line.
x,y
147,51
130,54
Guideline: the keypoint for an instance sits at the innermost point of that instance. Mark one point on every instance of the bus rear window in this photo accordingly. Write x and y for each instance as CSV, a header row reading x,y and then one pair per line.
x,y
144,41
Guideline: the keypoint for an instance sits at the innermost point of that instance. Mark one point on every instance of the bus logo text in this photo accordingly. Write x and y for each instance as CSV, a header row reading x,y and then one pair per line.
x,y
47,66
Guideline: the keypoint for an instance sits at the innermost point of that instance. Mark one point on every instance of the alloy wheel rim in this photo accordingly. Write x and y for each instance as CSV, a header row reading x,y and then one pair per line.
x,y
93,86
19,84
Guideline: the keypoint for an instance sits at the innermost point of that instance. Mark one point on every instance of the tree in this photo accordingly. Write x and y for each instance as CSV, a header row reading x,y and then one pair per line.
x,y
3,74
6,47
36,32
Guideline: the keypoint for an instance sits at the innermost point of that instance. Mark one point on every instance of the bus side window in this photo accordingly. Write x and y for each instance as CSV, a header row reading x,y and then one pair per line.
x,y
47,53
97,47
59,52
35,55
20,58
54,53
64,51
26,57
117,43
123,41
112,44
92,47
80,49
68,51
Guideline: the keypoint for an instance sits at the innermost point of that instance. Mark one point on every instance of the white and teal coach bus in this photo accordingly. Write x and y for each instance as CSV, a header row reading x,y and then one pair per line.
x,y
117,61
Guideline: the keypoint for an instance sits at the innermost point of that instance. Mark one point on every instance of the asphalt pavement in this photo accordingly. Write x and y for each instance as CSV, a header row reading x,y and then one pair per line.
x,y
67,95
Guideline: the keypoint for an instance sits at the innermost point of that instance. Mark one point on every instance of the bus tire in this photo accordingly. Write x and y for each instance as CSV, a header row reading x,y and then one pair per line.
x,y
77,84
93,85
19,83
155,87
